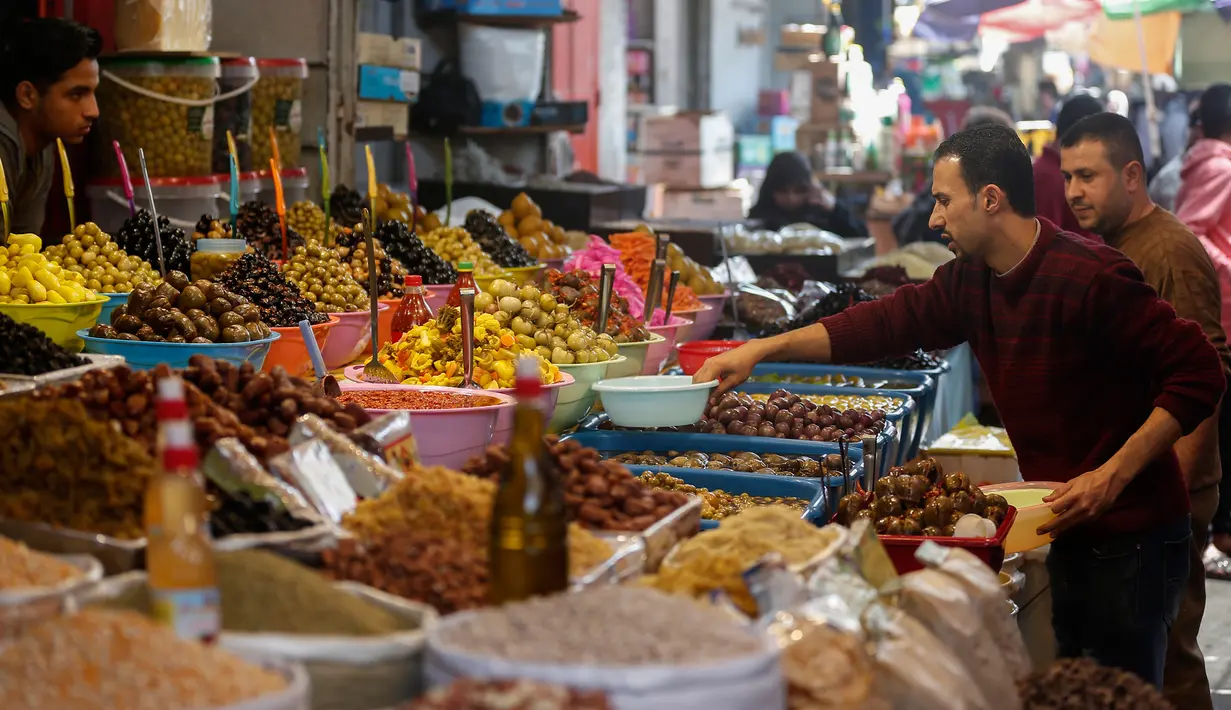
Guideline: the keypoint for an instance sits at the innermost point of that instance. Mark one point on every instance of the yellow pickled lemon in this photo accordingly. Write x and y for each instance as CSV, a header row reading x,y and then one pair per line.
x,y
38,292
6,284
53,297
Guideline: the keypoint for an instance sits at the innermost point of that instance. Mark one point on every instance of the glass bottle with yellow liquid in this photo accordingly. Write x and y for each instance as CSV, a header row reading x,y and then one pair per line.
x,y
179,556
529,543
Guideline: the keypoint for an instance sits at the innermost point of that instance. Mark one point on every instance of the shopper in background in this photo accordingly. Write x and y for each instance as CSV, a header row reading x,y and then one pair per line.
x,y
790,194
1166,183
1057,322
1104,166
1204,199
48,74
1049,197
911,224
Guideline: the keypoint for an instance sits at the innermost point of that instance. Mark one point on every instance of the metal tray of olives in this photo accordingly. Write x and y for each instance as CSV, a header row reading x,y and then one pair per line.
x,y
118,556
818,509
68,374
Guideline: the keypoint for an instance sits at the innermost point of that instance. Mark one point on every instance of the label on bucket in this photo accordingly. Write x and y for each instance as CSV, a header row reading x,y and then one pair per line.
x,y
201,121
288,115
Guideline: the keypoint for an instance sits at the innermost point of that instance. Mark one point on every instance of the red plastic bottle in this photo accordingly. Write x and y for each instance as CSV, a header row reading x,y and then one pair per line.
x,y
412,311
465,279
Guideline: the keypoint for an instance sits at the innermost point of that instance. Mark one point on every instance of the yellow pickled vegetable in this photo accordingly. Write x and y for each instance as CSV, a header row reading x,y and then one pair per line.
x,y
26,276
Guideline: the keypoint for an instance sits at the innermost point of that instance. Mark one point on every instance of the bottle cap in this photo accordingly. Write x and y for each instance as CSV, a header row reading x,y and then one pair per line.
x,y
466,266
414,280
529,382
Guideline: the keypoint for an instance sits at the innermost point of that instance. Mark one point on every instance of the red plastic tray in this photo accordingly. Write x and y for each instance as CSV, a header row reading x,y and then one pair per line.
x,y
901,548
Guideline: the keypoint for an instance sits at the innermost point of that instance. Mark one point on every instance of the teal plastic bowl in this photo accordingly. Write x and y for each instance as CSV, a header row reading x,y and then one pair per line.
x,y
141,355
114,301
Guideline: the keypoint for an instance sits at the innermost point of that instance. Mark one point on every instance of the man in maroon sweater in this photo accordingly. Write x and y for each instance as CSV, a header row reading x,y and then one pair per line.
x,y
1093,375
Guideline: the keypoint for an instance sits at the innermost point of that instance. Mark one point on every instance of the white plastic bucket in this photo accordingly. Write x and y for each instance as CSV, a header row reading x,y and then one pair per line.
x,y
182,200
294,186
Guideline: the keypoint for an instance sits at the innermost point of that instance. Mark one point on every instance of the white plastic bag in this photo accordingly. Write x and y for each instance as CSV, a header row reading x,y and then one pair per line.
x,y
19,607
163,25
296,696
749,682
505,65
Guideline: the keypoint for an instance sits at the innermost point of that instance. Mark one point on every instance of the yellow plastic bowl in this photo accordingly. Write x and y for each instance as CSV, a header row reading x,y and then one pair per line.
x,y
523,275
485,282
576,400
59,321
635,354
1032,512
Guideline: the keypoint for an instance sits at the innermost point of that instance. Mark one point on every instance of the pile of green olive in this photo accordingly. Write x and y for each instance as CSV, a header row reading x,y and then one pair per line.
x,y
324,279
543,325
179,311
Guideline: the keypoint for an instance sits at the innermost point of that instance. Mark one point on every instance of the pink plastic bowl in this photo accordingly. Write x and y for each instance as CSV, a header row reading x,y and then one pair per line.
x,y
707,321
448,437
350,338
437,295
658,353
688,332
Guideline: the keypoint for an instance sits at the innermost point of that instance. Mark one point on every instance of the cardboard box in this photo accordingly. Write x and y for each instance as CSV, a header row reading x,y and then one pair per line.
x,y
689,170
687,132
826,95
805,37
753,151
405,53
387,84
811,135
373,48
781,132
370,114
797,59
729,203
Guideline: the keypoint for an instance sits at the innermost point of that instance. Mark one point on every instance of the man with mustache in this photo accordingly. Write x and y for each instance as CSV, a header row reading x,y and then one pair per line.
x,y
1104,171
48,74
1093,374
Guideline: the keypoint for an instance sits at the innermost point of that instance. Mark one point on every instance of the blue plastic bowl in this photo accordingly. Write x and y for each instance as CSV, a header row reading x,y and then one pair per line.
x,y
141,355
114,301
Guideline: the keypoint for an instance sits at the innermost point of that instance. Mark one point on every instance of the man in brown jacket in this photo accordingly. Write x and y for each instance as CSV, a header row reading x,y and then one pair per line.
x,y
1104,171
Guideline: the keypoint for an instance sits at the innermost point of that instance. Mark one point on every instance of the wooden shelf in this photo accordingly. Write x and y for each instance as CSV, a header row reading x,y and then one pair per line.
x,y
517,130
441,17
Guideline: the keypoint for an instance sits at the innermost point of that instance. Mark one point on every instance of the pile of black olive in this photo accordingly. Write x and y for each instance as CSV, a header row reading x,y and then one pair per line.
x,y
179,311
258,279
259,226
25,350
238,515
921,499
495,242
136,238
918,360
346,205
841,296
402,244
787,416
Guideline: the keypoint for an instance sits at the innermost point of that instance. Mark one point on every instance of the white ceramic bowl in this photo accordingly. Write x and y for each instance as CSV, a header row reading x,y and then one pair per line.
x,y
654,400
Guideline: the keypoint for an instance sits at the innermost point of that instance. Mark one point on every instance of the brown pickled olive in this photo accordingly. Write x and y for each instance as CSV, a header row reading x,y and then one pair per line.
x,y
201,311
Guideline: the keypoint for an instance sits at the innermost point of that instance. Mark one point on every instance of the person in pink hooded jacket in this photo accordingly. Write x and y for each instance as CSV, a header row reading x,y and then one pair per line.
x,y
1204,200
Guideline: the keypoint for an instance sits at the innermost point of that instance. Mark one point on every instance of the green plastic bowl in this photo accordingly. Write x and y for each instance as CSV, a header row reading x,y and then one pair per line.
x,y
635,354
576,400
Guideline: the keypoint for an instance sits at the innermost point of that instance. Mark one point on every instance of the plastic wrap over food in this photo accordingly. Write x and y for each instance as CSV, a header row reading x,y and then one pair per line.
x,y
310,467
390,437
163,25
235,470
366,474
823,656
916,670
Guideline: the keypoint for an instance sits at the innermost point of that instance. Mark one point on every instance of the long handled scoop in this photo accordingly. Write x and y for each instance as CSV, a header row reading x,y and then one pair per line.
x,y
654,292
467,296
605,284
374,371
125,178
4,206
326,383
671,286
145,175
70,192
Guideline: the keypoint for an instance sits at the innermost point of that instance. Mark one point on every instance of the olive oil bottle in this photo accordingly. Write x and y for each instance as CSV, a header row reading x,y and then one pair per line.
x,y
529,537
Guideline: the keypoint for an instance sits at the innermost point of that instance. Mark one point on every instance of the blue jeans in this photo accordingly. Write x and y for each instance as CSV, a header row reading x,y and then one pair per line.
x,y
1115,598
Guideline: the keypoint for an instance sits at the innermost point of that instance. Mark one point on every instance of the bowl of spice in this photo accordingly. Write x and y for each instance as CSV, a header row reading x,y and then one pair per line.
x,y
449,425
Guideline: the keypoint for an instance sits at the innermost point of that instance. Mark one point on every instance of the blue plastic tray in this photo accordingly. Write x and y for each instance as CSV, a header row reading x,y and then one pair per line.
x,y
754,484
141,355
114,301
611,443
924,385
904,419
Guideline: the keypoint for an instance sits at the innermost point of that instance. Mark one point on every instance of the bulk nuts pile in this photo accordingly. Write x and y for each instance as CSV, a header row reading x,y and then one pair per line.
x,y
257,279
601,495
321,276
473,694
26,350
182,312
56,664
94,481
136,238
605,625
1083,683
406,248
445,574
106,267
276,104
178,139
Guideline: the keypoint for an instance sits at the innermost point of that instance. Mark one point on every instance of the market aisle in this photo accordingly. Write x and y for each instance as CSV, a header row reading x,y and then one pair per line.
x,y
1216,641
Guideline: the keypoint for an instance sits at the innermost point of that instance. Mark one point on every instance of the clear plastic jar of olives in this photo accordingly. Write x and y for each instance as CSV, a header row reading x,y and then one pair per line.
x,y
277,103
165,106
214,256
234,113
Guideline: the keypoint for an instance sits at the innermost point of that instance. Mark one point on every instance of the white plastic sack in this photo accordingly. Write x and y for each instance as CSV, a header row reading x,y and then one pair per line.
x,y
19,607
505,64
296,696
749,682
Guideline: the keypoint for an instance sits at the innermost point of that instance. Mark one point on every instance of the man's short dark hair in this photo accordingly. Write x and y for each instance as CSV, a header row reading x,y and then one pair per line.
x,y
1117,134
1215,111
41,50
993,154
1075,109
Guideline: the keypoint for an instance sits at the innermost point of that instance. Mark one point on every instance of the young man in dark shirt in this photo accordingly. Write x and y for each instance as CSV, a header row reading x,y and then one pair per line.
x,y
1104,169
1093,375
48,74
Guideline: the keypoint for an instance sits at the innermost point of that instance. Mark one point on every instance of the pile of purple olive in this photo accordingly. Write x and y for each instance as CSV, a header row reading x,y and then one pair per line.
x,y
787,416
